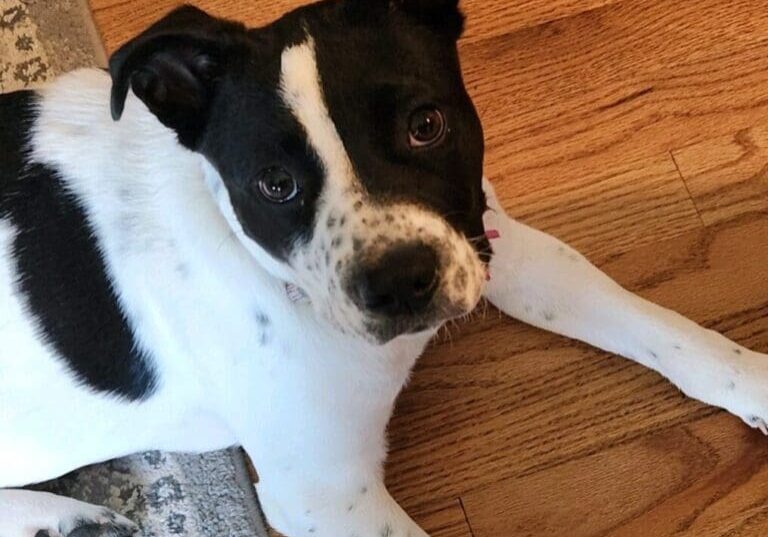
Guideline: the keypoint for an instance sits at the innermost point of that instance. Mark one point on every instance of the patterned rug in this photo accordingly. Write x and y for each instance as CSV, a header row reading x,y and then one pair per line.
x,y
166,494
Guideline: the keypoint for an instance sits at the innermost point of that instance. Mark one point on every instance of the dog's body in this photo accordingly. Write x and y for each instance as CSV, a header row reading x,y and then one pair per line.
x,y
139,311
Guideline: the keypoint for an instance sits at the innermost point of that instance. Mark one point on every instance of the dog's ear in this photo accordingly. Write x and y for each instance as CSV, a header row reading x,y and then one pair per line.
x,y
173,67
441,15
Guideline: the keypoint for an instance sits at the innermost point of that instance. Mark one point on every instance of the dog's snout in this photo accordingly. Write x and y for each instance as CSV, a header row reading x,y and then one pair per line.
x,y
402,282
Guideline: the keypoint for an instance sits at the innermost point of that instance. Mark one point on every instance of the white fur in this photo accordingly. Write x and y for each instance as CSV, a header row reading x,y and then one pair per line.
x,y
309,403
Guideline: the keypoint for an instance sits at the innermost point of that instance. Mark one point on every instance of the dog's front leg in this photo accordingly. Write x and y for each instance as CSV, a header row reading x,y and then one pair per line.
x,y
318,445
542,281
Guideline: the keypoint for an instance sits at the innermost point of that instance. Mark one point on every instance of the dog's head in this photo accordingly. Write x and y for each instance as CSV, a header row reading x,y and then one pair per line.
x,y
350,151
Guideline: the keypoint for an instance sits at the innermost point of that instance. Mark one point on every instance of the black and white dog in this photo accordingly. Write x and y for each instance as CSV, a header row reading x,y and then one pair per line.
x,y
248,236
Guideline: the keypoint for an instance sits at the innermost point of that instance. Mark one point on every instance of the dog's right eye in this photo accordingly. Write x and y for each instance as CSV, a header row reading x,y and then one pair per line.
x,y
277,185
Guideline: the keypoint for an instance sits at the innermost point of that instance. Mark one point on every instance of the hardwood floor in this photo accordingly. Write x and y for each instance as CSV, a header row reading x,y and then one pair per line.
x,y
637,130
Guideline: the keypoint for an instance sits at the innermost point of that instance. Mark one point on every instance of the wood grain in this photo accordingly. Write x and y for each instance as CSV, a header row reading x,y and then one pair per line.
x,y
727,176
121,19
638,131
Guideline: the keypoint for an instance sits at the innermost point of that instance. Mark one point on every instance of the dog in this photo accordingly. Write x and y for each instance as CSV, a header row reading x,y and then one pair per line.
x,y
248,236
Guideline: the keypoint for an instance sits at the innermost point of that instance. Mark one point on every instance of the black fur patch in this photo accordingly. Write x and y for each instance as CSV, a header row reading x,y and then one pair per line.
x,y
62,276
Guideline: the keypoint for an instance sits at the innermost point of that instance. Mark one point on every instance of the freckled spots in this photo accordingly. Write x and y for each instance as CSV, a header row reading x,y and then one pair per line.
x,y
731,385
364,490
375,222
678,348
336,242
308,512
737,351
357,206
339,265
312,529
350,508
343,221
548,316
561,249
357,245
387,531
653,355
389,218
331,223
327,259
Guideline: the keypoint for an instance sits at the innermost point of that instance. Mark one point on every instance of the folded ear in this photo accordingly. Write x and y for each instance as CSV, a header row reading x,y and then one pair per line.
x,y
173,67
441,15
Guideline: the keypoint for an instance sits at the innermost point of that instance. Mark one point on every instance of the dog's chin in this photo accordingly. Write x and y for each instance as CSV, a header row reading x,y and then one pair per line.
x,y
382,331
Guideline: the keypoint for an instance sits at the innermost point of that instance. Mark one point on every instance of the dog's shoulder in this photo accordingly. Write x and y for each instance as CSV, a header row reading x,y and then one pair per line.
x,y
59,272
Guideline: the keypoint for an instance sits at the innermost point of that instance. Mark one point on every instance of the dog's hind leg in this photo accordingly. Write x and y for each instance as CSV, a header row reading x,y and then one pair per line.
x,y
542,281
39,514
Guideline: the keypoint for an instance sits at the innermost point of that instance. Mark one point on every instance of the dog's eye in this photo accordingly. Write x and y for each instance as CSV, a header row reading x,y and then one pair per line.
x,y
277,185
426,127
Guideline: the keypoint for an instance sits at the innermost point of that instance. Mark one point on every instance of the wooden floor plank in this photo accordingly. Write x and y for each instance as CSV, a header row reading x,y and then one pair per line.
x,y
704,479
119,19
727,176
606,209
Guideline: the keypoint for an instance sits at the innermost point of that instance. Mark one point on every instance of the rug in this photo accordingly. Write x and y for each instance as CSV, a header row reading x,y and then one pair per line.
x,y
166,494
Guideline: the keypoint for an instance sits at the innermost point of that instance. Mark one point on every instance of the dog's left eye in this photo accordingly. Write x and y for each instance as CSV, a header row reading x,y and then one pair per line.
x,y
426,127
277,185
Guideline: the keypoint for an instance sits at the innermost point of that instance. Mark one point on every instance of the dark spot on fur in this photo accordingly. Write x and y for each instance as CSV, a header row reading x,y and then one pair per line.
x,y
262,319
731,385
331,223
375,222
678,347
182,269
312,529
389,218
351,508
387,531
336,242
339,265
653,355
357,245
548,316
358,205
364,490
737,351
343,221
327,259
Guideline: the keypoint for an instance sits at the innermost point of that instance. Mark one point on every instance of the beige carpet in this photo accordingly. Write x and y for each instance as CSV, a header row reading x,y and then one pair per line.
x,y
42,38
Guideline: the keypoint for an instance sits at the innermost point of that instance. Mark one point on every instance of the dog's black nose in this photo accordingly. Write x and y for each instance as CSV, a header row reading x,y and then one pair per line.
x,y
402,282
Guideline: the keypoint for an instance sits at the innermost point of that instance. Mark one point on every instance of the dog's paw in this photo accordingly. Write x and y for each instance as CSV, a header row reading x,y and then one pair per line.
x,y
105,524
95,522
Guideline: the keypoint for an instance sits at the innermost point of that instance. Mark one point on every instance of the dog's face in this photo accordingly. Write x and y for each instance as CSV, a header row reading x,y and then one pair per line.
x,y
351,154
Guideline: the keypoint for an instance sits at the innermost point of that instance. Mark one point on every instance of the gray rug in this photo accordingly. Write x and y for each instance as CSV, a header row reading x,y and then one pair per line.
x,y
166,494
